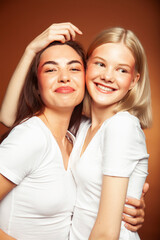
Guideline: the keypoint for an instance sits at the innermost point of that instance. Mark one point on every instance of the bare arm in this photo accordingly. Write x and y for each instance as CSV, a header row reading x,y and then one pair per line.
x,y
5,187
108,222
110,199
4,236
56,32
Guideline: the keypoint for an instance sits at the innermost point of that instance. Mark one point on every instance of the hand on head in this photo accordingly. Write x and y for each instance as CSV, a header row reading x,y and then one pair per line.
x,y
56,32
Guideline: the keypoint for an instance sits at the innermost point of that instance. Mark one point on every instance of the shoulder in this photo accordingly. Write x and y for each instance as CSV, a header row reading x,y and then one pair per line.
x,y
23,150
29,132
123,126
123,121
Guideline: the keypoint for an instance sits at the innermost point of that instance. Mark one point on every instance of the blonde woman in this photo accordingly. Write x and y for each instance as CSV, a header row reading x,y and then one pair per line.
x,y
110,159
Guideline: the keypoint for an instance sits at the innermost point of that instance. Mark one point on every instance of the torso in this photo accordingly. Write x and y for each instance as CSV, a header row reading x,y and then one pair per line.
x,y
41,205
87,167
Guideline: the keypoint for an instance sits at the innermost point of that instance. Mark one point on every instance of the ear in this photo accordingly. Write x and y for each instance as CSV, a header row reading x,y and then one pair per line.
x,y
135,80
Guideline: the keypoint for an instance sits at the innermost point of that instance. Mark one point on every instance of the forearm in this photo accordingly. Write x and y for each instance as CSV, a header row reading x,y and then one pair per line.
x,y
98,234
109,232
4,236
10,101
108,222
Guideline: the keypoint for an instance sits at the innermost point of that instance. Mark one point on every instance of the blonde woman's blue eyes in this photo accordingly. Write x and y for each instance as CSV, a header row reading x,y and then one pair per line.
x,y
100,64
122,70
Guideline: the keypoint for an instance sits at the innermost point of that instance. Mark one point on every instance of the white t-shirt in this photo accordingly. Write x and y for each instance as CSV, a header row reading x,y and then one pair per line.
x,y
41,205
117,149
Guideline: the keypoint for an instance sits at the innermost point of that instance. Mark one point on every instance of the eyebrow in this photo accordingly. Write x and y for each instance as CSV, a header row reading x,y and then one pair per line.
x,y
124,64
99,58
121,64
55,63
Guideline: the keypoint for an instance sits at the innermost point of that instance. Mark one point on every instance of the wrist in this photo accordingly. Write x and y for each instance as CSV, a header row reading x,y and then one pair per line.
x,y
29,52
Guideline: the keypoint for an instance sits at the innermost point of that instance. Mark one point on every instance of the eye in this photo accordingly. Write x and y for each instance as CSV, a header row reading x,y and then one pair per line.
x,y
75,69
100,64
122,70
50,70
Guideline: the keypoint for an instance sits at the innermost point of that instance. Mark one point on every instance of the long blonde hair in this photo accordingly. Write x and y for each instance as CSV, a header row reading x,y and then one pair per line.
x,y
138,100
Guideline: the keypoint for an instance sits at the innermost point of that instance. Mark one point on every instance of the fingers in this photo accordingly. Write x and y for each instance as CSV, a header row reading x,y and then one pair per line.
x,y
133,228
66,30
145,189
132,224
66,25
69,27
133,221
134,212
134,202
56,32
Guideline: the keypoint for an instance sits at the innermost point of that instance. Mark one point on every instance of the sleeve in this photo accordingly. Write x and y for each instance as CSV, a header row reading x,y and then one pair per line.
x,y
20,152
123,145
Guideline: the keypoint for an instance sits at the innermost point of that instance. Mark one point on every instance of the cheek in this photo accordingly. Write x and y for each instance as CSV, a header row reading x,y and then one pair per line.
x,y
80,79
82,86
45,81
125,83
41,84
91,73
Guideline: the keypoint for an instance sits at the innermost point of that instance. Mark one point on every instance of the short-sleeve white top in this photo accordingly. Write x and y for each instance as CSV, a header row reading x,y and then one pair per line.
x,y
117,149
40,207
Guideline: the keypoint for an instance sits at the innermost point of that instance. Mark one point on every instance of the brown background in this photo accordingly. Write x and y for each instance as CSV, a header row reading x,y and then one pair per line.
x,y
21,21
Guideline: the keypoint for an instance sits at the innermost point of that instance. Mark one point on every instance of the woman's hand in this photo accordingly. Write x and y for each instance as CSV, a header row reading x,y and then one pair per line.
x,y
136,218
56,32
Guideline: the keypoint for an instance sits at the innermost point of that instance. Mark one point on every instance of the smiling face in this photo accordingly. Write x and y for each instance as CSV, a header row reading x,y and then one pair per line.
x,y
61,77
110,74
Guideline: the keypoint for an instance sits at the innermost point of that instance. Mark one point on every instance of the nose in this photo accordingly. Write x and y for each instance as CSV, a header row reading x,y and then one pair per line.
x,y
63,76
107,75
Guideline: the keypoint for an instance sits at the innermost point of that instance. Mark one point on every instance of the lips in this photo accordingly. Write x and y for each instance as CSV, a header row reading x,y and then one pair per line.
x,y
104,89
66,89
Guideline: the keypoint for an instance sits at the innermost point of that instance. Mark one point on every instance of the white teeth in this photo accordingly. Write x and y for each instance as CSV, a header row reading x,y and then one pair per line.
x,y
105,88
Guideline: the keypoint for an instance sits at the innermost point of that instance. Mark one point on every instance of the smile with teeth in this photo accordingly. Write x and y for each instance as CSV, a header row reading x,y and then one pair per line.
x,y
107,89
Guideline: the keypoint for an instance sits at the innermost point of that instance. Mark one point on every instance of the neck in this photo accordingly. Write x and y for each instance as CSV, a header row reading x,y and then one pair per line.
x,y
99,114
57,122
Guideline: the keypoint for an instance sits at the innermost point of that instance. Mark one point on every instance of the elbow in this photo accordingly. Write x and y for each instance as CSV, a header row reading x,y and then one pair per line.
x,y
6,120
106,235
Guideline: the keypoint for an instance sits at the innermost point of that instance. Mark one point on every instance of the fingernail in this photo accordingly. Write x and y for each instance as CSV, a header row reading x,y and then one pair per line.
x,y
126,225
